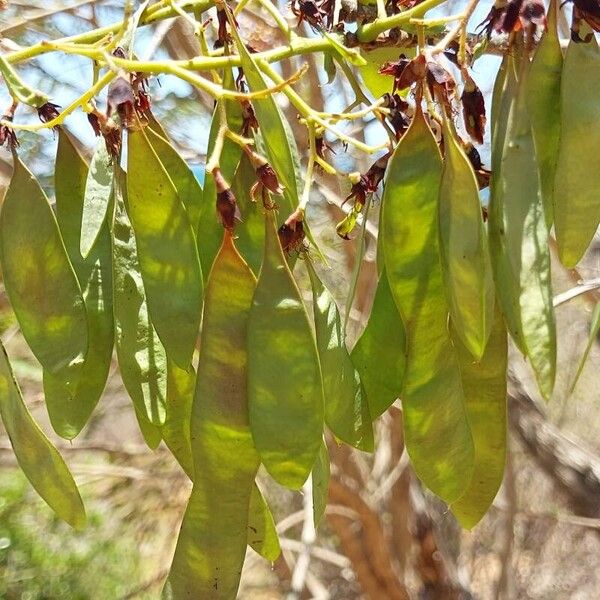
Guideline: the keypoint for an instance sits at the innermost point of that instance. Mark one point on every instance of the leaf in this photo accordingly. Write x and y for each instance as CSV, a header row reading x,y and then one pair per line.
x,y
167,251
262,534
464,248
141,356
212,541
436,428
320,484
594,329
543,98
73,392
379,355
484,384
519,244
39,279
37,457
285,394
576,199
183,178
98,191
346,410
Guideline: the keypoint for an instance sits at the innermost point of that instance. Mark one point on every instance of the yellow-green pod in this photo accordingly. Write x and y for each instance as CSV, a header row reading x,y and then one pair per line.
x,y
345,404
167,251
507,288
285,393
38,276
576,198
96,198
188,188
379,355
39,459
73,392
208,231
484,384
320,484
543,100
176,432
520,252
437,433
212,541
464,248
262,534
141,356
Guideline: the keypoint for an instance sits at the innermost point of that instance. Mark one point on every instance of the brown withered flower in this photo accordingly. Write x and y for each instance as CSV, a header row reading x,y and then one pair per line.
x,y
473,108
291,233
440,82
107,128
321,147
48,112
121,99
267,178
95,123
309,11
8,136
397,116
482,174
405,72
507,16
227,208
588,11
249,120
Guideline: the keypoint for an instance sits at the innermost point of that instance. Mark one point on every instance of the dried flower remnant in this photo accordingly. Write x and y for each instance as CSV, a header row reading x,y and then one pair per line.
x,y
8,136
48,112
121,100
227,208
397,116
249,120
405,72
514,15
267,178
309,11
473,106
291,233
440,82
482,174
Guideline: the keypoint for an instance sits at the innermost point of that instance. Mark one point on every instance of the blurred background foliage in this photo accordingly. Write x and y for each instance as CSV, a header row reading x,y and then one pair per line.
x,y
384,536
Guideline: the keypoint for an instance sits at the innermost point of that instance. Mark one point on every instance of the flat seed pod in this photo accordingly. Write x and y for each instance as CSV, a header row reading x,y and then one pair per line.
x,y
73,392
484,384
285,393
279,142
576,198
379,355
208,231
521,255
167,251
543,98
151,433
38,276
464,248
250,233
345,405
212,541
507,288
437,434
176,429
38,458
320,484
141,356
98,191
262,534
188,188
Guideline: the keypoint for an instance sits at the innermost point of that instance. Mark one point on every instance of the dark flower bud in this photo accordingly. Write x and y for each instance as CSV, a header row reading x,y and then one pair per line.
x,y
119,52
291,233
48,112
473,106
227,208
267,178
112,137
376,173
